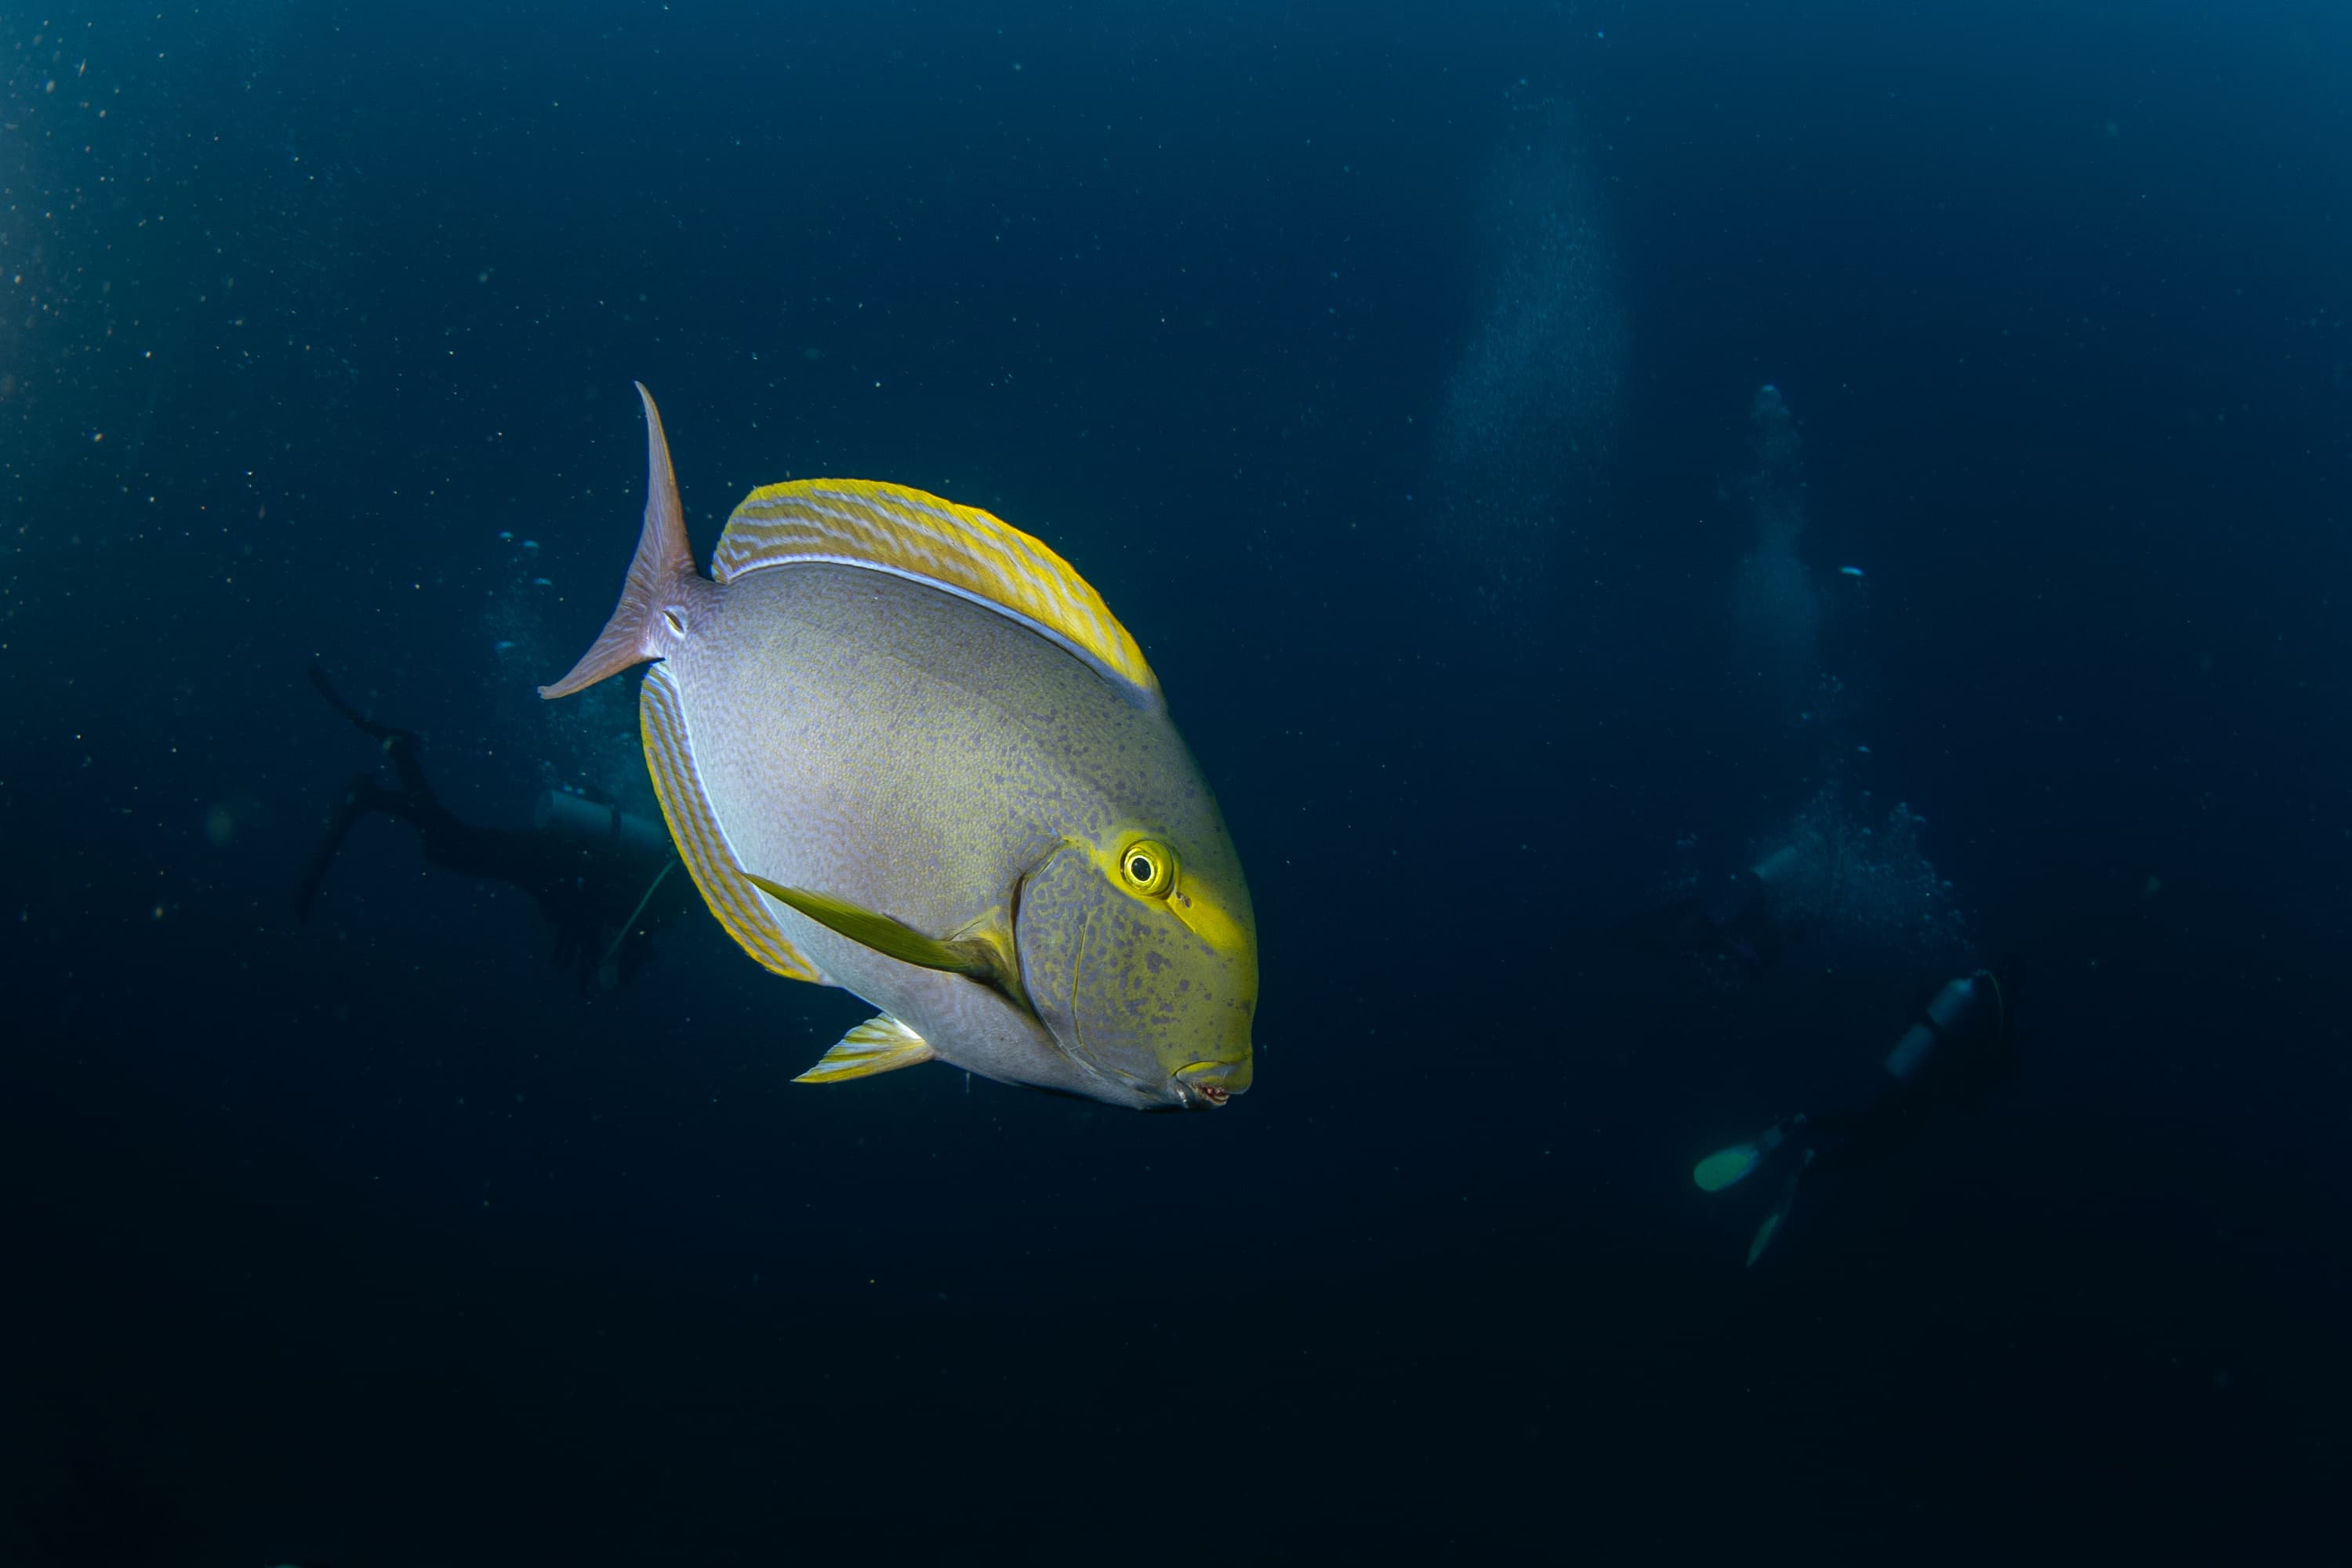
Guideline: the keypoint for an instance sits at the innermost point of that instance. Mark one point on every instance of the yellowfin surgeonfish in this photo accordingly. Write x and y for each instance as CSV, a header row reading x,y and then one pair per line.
x,y
904,749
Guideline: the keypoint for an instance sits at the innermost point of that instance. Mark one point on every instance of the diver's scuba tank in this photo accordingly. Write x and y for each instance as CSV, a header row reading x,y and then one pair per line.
x,y
593,824
1952,1009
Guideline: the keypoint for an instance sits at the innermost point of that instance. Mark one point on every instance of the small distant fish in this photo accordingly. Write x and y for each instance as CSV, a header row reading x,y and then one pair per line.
x,y
530,545
1850,571
506,534
543,582
906,750
504,644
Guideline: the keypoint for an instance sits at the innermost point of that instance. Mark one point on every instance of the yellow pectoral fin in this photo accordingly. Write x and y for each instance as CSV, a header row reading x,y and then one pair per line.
x,y
883,933
881,1044
980,955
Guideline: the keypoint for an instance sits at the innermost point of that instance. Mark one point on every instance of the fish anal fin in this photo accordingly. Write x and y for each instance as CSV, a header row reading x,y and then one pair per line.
x,y
651,616
909,533
881,1044
694,828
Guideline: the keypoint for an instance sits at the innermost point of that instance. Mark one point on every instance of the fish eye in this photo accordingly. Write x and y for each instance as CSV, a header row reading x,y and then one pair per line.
x,y
1148,867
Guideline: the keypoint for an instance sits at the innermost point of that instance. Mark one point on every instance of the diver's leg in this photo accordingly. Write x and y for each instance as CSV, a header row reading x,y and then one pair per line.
x,y
450,839
359,720
415,788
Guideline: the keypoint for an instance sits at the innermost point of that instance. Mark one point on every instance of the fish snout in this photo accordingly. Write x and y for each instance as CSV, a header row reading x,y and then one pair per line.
x,y
1204,1086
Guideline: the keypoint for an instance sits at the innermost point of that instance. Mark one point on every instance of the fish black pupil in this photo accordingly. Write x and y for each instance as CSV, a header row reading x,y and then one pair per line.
x,y
1139,869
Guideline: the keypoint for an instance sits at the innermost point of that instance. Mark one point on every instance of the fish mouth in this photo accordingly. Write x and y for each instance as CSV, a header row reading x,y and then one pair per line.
x,y
1204,1086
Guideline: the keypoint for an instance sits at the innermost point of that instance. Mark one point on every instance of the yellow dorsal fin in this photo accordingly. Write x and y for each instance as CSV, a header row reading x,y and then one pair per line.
x,y
881,1044
967,552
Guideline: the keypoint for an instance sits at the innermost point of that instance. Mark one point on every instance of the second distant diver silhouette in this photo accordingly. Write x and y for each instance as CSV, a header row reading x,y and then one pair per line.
x,y
1733,919
604,878
1960,1043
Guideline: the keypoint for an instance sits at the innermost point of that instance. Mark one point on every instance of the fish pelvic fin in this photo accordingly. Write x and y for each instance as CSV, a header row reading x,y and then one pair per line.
x,y
663,591
881,1044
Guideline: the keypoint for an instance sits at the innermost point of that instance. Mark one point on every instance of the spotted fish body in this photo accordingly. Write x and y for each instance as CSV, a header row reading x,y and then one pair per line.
x,y
905,750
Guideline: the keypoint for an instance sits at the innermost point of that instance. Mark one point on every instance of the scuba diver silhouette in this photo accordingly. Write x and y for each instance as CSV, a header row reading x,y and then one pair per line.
x,y
1733,919
1960,1043
603,878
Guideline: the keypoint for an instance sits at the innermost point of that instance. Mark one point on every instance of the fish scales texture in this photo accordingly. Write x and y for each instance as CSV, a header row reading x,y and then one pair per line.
x,y
894,746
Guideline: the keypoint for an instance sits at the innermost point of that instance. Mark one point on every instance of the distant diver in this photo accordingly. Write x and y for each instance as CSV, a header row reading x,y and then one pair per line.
x,y
1733,919
1959,1044
604,878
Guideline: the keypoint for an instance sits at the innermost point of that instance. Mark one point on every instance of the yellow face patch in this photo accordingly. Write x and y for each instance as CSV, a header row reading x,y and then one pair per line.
x,y
1149,868
1207,917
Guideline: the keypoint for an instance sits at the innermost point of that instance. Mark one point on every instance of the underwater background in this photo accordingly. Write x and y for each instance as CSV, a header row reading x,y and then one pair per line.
x,y
1398,373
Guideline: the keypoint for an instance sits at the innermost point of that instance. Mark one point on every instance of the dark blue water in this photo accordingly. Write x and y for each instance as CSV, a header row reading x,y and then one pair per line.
x,y
1394,375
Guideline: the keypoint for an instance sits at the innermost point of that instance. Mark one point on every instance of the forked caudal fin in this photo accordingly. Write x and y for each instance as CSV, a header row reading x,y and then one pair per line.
x,y
663,586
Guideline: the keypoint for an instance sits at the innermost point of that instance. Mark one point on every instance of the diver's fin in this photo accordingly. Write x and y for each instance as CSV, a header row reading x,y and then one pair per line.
x,y
1779,1213
662,586
1729,1167
701,843
960,548
881,1044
